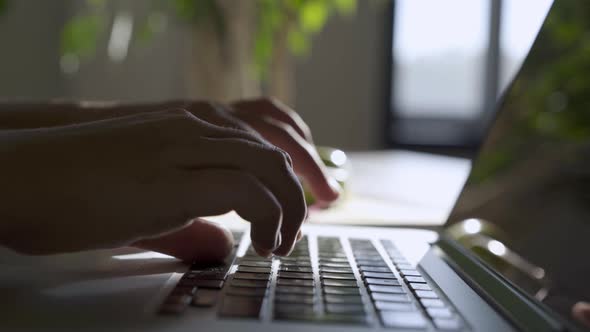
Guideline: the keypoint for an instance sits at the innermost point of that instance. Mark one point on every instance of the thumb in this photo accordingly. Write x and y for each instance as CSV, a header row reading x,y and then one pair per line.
x,y
201,241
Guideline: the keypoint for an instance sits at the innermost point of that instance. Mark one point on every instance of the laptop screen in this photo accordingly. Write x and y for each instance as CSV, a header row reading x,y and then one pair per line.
x,y
525,209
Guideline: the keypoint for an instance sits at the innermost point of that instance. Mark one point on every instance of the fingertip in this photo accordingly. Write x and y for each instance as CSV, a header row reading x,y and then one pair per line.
x,y
327,191
335,187
262,252
285,249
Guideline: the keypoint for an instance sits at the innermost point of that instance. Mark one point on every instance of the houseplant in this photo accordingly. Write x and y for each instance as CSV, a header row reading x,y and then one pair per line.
x,y
238,48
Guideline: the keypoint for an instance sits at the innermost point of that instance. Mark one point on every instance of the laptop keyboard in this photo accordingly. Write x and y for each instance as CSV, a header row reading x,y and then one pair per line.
x,y
328,287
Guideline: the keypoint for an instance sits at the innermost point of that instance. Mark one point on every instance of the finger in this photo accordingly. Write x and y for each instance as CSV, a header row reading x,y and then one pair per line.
x,y
307,162
217,114
270,107
214,114
214,191
268,164
581,312
201,241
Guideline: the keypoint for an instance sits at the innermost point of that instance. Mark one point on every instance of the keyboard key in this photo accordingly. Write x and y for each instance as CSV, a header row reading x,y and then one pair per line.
x,y
345,308
296,275
295,298
201,283
243,268
212,274
338,276
394,306
296,264
176,304
294,282
415,279
341,290
379,262
295,269
295,290
432,303
379,275
218,271
241,306
339,254
249,283
255,263
339,283
403,320
336,270
371,268
247,291
334,260
416,286
351,299
372,255
205,298
424,294
339,265
390,297
252,276
439,312
411,273
255,258
448,324
387,289
383,282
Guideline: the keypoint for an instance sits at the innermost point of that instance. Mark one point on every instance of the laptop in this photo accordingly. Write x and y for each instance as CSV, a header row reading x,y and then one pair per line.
x,y
512,256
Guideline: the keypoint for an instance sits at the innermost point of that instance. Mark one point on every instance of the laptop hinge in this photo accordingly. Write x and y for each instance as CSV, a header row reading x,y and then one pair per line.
x,y
518,307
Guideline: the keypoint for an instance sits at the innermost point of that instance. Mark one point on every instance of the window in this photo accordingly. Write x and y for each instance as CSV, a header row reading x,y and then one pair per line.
x,y
450,62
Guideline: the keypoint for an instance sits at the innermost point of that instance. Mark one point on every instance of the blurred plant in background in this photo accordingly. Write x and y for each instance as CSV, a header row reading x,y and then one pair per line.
x,y
546,104
238,48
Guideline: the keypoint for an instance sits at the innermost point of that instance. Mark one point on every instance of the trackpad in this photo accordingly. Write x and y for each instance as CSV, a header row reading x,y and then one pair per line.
x,y
111,284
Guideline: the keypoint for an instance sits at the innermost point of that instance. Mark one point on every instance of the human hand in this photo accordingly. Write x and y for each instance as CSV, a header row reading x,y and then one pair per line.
x,y
276,123
581,312
113,182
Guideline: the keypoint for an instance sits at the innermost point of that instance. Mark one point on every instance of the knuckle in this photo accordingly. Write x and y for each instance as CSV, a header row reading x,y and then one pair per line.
x,y
179,112
277,156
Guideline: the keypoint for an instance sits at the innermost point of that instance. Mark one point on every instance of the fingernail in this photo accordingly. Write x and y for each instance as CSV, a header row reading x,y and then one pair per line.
x,y
278,240
335,186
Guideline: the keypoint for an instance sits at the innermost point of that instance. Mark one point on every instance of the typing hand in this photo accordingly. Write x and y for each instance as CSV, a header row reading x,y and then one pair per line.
x,y
145,178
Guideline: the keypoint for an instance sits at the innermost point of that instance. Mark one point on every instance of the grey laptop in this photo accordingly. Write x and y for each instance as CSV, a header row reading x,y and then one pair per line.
x,y
513,255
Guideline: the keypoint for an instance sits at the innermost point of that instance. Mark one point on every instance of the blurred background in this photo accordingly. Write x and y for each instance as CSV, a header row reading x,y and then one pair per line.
x,y
365,74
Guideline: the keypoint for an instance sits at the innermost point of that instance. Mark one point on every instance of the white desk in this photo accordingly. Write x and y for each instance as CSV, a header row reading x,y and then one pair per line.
x,y
398,188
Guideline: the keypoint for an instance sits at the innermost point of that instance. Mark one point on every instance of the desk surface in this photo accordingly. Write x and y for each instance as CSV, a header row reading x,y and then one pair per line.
x,y
398,187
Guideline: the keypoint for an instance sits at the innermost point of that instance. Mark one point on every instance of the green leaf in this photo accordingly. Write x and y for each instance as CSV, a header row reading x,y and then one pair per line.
x,y
185,9
345,6
96,3
152,25
299,42
80,35
3,6
314,15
